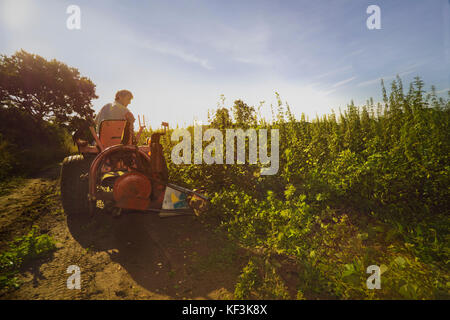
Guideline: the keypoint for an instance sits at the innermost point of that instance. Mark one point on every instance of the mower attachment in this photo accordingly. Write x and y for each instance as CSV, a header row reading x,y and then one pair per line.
x,y
179,201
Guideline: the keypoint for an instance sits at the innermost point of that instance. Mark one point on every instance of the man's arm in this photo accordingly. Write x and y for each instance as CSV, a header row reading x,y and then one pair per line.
x,y
130,119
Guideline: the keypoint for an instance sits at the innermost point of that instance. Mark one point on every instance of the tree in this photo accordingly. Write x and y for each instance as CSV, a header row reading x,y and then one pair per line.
x,y
244,115
222,119
47,90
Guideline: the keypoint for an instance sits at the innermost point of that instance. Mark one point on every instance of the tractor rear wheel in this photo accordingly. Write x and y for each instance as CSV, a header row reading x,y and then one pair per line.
x,y
74,185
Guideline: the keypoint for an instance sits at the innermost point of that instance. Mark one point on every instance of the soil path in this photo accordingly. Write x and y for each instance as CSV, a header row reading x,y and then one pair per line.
x,y
135,256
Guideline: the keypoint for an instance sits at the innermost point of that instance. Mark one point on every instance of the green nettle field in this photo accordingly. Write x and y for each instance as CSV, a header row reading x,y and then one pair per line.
x,y
367,186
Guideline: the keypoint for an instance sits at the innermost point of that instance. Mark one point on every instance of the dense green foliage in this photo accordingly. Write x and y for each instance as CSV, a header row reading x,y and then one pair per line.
x,y
40,102
22,250
27,145
367,186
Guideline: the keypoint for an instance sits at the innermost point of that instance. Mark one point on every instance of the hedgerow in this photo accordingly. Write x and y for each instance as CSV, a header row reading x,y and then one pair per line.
x,y
367,186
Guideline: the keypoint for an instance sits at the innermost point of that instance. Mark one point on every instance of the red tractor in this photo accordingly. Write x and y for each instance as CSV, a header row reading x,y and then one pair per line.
x,y
115,174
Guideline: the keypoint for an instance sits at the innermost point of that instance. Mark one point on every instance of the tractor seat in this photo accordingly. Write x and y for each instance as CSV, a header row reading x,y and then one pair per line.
x,y
111,132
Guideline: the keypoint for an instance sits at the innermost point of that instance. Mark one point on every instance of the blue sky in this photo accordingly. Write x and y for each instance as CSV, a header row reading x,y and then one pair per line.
x,y
178,57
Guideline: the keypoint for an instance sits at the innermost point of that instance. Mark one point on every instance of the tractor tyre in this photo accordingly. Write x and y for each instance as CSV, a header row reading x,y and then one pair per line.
x,y
74,185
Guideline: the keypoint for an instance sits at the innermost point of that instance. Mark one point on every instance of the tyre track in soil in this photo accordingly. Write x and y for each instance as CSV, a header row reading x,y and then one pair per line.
x,y
135,256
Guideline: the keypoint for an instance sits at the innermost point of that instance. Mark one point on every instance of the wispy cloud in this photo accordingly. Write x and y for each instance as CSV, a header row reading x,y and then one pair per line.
x,y
333,72
341,83
326,93
385,78
244,46
176,51
373,81
248,47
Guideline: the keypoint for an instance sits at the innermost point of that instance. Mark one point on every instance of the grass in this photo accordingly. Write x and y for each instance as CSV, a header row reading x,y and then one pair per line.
x,y
33,245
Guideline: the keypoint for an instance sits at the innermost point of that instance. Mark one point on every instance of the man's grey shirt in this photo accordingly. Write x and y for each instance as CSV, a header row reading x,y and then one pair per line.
x,y
113,111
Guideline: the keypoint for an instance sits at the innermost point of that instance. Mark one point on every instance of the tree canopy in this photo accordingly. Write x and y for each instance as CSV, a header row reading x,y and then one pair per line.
x,y
244,115
222,119
47,90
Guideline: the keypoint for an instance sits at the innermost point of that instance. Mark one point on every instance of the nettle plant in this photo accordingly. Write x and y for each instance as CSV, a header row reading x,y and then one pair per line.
x,y
358,188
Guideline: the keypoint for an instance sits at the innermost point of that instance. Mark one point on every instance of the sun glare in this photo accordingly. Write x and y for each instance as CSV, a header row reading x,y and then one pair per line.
x,y
16,14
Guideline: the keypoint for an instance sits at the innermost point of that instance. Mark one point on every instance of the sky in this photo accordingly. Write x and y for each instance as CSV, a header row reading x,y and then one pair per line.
x,y
177,57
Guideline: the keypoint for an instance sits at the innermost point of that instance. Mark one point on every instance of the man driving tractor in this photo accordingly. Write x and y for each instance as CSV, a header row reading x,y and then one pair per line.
x,y
117,111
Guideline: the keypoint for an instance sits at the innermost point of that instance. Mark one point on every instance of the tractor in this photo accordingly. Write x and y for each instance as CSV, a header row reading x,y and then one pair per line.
x,y
115,175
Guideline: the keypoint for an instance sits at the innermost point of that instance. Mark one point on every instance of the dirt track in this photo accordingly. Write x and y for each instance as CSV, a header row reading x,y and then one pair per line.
x,y
135,256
